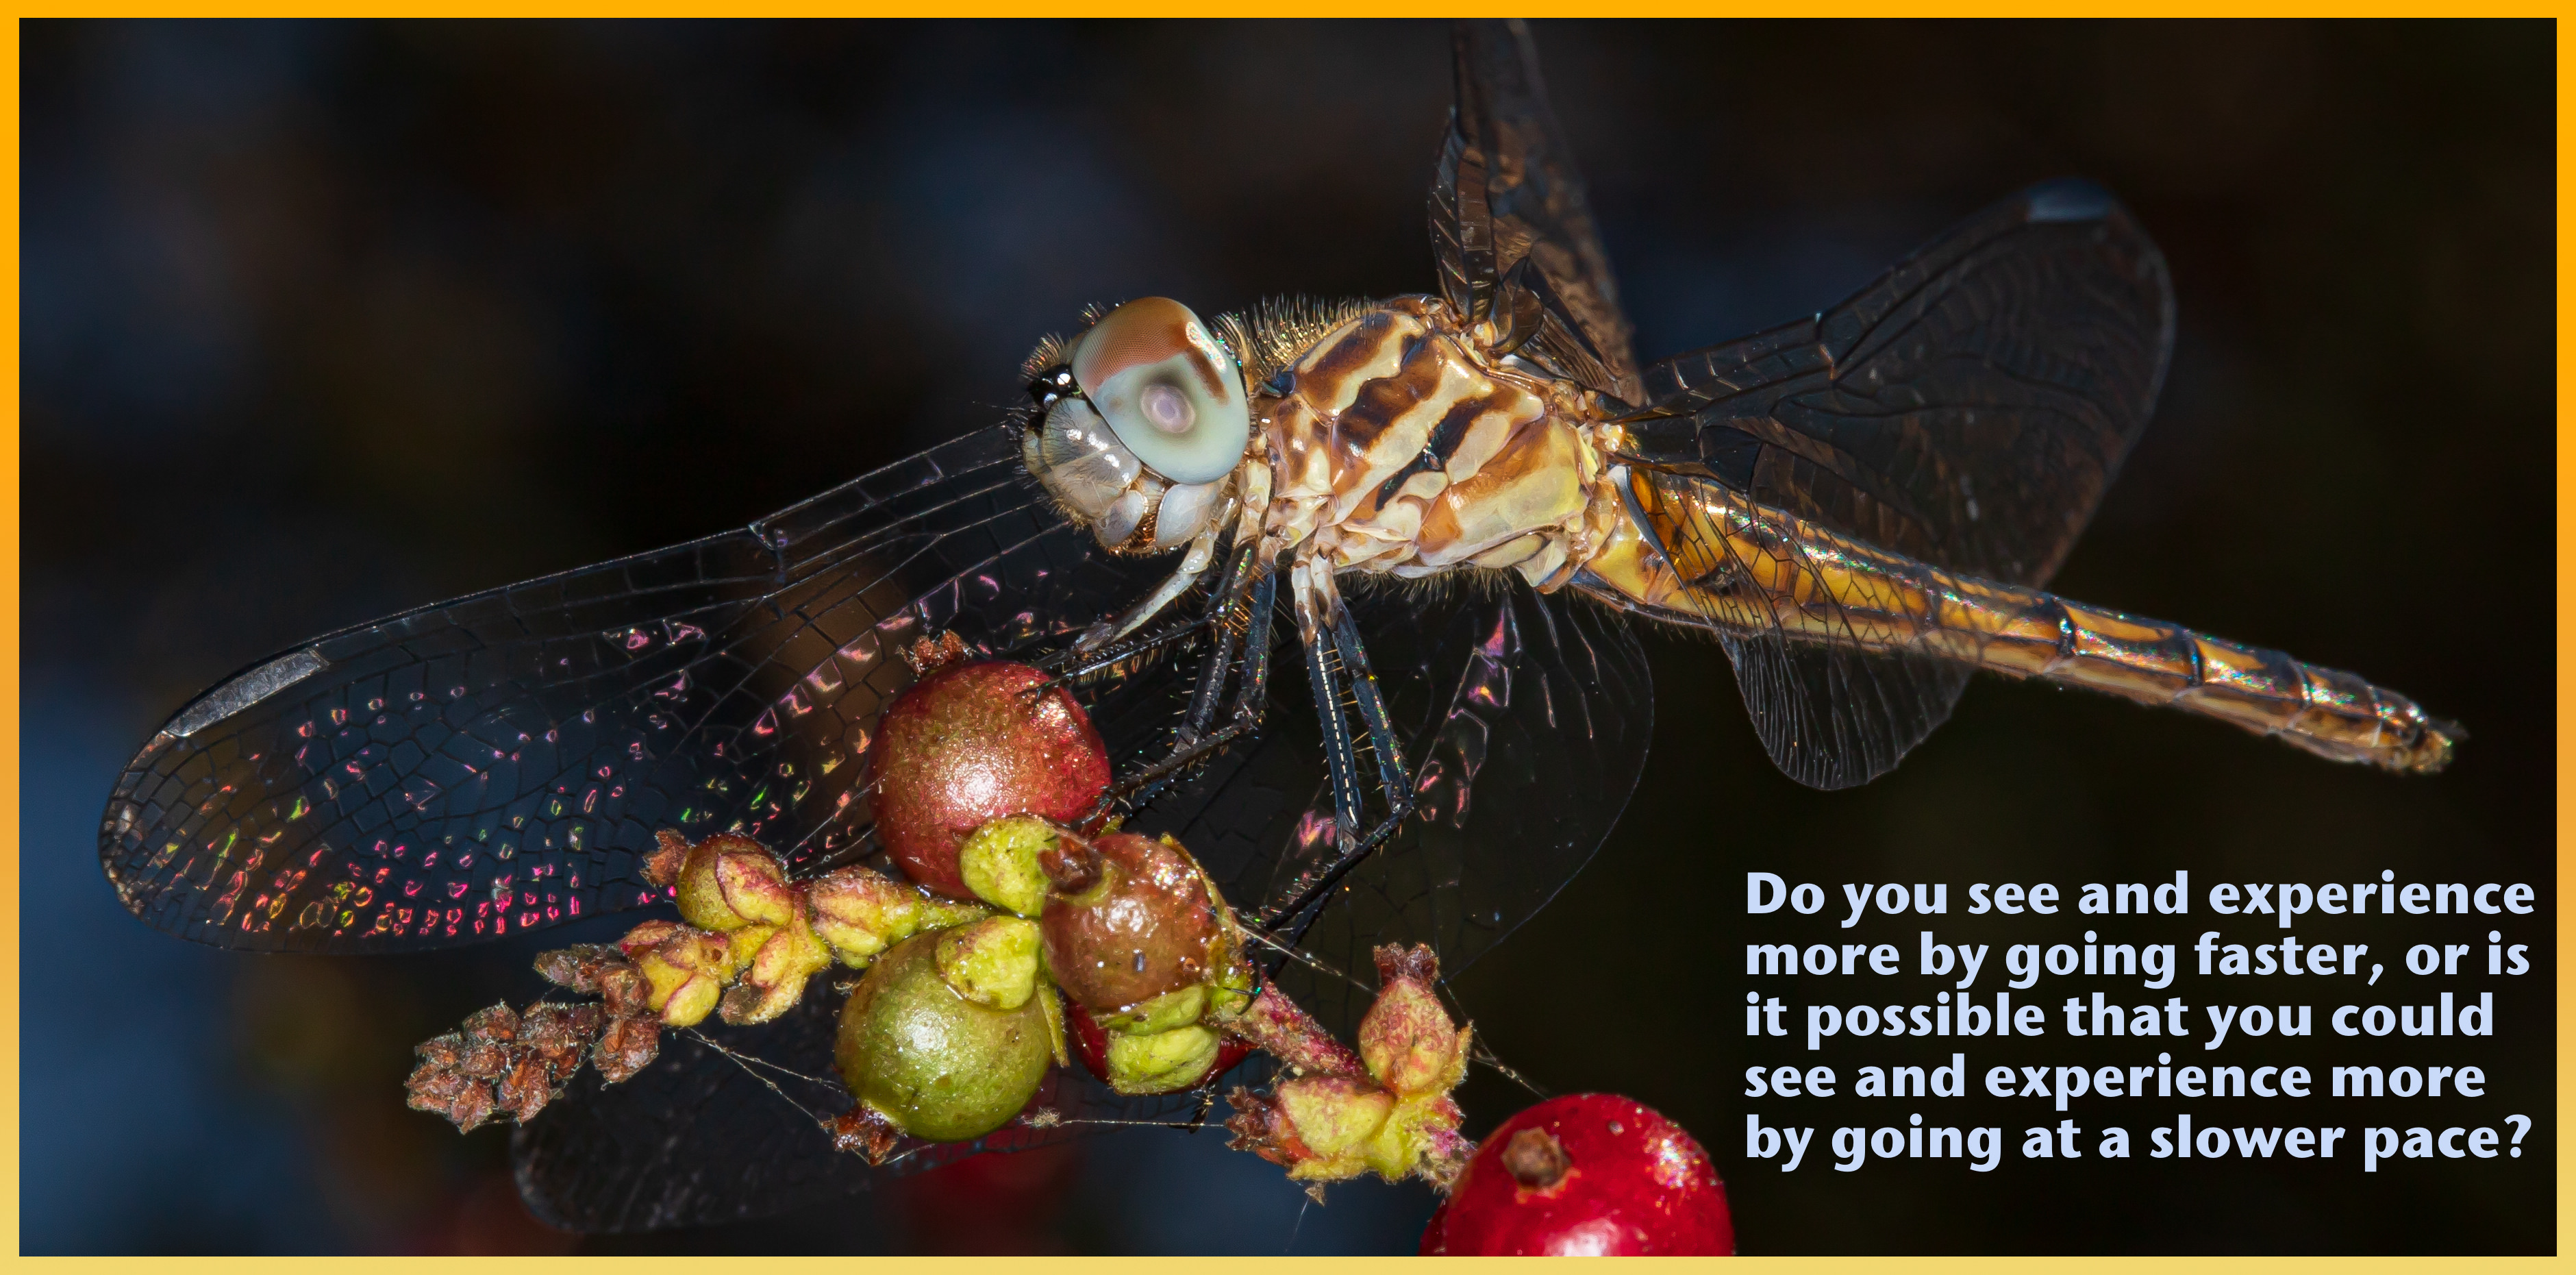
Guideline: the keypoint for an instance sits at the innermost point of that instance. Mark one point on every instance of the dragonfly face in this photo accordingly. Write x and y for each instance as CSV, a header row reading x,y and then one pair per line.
x,y
1862,507
1139,425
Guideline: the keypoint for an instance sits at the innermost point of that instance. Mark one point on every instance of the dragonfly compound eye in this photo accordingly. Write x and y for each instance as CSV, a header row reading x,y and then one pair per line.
x,y
1166,409
1167,389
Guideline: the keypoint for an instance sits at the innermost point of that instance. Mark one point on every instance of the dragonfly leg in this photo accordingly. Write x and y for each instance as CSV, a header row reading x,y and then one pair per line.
x,y
1242,615
1194,563
1393,775
1335,658
1077,661
1074,664
1230,618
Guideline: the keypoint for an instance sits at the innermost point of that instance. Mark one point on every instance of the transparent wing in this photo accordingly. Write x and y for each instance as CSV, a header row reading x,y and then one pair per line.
x,y
1832,711
500,762
1509,225
1526,719
1968,409
1837,716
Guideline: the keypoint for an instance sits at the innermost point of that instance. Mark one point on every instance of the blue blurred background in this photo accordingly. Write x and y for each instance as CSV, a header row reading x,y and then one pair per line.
x,y
326,320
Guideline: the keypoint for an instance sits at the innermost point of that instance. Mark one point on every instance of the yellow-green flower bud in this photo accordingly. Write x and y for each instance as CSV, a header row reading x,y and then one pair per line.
x,y
774,973
1316,1127
1000,863
992,962
729,881
685,969
1160,1062
860,913
1162,1013
1407,1040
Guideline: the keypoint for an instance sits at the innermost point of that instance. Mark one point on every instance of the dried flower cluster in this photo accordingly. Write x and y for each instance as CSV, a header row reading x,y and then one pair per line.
x,y
505,1063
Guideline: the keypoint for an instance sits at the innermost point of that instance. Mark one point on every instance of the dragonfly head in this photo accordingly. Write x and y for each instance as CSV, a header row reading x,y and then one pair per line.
x,y
1140,422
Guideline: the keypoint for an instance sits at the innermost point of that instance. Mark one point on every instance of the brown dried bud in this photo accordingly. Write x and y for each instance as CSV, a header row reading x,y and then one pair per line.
x,y
441,1084
623,990
497,1023
626,1046
548,1025
1071,864
861,1131
505,1062
441,1051
930,654
526,1090
1259,1127
558,1036
578,967
471,1108
433,1088
484,1059
662,866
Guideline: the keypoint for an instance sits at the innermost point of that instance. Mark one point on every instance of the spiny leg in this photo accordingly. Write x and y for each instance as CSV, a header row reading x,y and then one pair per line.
x,y
1241,608
1232,620
1341,761
1393,775
1073,664
1336,654
1194,563
1193,742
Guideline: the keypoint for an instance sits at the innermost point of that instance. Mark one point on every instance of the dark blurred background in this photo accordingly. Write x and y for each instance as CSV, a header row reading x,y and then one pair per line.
x,y
323,321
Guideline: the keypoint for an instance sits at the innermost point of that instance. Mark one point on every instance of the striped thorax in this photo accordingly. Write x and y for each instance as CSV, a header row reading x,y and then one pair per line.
x,y
1401,450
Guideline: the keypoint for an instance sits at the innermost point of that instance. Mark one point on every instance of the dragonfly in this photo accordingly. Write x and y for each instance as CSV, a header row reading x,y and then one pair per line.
x,y
1453,511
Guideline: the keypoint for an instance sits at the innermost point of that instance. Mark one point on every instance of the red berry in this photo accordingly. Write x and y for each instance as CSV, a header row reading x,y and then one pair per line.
x,y
967,744
1091,1044
1585,1174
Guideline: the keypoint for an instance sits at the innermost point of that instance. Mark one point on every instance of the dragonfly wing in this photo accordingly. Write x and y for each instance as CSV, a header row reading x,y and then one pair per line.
x,y
1968,409
1526,719
1836,716
725,1127
1833,708
501,762
694,1138
1509,223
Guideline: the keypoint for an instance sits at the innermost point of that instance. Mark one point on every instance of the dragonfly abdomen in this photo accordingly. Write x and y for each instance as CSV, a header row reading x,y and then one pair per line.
x,y
2325,711
1699,553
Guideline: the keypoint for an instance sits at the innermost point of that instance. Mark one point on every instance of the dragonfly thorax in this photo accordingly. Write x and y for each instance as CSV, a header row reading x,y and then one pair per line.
x,y
1400,448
